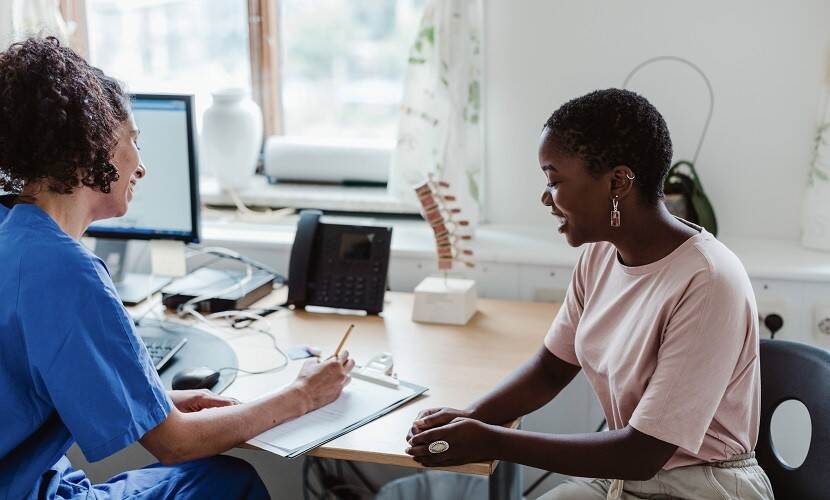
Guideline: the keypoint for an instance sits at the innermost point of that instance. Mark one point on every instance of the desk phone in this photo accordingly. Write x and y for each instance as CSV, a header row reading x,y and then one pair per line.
x,y
337,265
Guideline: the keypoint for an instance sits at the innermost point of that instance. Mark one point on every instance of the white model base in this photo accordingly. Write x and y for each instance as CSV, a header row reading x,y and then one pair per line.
x,y
445,300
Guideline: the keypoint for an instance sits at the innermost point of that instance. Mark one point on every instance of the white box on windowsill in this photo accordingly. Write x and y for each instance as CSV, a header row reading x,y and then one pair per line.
x,y
445,300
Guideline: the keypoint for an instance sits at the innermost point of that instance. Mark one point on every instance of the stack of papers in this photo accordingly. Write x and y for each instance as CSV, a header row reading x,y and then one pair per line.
x,y
360,402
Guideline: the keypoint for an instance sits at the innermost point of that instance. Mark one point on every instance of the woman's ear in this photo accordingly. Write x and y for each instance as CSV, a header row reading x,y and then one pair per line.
x,y
622,181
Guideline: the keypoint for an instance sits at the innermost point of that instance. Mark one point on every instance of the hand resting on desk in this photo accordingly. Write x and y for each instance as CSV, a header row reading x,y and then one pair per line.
x,y
198,399
470,440
473,434
435,417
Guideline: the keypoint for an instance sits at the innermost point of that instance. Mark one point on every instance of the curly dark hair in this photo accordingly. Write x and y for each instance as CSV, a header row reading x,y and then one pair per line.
x,y
58,118
614,127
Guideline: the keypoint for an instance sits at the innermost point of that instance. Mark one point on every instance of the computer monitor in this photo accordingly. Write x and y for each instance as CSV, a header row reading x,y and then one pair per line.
x,y
165,205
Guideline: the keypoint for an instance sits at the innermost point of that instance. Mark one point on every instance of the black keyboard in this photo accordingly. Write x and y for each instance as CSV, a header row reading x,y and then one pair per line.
x,y
162,349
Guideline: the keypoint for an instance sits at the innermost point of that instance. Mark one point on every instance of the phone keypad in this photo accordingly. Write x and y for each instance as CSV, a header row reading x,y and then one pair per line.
x,y
349,281
349,291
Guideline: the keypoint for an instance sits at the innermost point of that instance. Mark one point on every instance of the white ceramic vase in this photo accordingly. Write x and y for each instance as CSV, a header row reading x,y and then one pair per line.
x,y
231,137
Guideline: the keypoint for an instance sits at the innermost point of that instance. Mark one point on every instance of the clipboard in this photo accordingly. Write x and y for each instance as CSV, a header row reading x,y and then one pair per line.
x,y
361,402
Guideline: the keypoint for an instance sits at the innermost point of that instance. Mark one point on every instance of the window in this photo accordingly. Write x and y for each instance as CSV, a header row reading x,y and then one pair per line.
x,y
185,46
342,62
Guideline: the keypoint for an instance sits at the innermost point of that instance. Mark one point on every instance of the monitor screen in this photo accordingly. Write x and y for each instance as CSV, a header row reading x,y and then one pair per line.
x,y
166,201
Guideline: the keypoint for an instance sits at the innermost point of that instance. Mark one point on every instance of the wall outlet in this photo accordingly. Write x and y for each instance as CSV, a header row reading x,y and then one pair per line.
x,y
769,307
821,323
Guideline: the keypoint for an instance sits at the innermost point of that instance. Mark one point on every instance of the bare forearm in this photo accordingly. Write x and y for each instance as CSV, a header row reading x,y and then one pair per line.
x,y
621,454
211,424
215,430
525,390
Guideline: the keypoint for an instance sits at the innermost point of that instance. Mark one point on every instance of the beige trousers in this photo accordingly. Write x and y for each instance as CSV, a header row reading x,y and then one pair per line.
x,y
740,477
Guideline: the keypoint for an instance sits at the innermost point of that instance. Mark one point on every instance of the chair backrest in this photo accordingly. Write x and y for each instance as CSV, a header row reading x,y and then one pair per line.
x,y
791,370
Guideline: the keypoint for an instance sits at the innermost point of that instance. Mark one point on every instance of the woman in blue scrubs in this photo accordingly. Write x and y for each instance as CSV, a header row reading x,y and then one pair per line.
x,y
71,367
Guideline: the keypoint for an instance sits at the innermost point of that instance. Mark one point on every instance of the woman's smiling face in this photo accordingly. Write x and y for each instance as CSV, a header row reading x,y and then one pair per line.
x,y
127,160
580,201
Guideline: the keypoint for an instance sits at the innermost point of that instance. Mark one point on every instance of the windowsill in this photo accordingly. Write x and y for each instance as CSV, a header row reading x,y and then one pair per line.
x,y
321,196
411,239
505,244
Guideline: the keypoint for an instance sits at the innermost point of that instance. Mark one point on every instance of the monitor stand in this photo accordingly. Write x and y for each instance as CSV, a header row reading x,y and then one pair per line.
x,y
133,288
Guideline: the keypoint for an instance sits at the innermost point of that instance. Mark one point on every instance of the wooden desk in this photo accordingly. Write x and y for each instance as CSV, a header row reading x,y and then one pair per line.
x,y
457,363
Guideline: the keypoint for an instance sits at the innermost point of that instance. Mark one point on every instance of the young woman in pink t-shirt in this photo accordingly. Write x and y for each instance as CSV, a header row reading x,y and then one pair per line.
x,y
660,316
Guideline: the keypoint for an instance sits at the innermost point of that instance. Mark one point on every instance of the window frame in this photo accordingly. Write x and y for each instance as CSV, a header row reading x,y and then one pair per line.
x,y
264,47
74,14
264,58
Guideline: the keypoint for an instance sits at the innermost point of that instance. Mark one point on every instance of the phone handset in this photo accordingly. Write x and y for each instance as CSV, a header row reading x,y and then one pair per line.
x,y
301,255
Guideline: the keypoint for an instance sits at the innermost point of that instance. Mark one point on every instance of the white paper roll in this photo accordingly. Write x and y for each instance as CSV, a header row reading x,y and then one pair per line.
x,y
295,159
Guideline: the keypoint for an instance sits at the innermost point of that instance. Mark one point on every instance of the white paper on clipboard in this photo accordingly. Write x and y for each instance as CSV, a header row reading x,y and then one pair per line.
x,y
360,403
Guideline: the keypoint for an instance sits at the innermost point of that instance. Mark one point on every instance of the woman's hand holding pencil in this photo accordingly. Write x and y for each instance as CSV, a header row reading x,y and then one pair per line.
x,y
321,382
342,342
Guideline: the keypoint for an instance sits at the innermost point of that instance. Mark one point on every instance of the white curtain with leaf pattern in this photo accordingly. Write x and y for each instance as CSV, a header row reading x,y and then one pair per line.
x,y
440,125
815,231
37,18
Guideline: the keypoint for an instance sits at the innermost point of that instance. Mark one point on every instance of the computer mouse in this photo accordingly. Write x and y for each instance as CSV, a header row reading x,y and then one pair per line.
x,y
195,378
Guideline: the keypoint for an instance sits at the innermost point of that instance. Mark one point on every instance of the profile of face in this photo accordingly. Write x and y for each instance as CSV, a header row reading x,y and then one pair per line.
x,y
127,160
580,201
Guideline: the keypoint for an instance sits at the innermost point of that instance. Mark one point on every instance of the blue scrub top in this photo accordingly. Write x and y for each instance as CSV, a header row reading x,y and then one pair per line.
x,y
71,366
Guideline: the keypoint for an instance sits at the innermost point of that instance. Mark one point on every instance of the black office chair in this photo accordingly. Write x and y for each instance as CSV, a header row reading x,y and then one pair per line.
x,y
791,370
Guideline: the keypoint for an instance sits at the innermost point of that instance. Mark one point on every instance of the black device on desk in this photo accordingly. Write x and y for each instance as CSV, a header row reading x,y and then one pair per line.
x,y
218,286
337,265
198,359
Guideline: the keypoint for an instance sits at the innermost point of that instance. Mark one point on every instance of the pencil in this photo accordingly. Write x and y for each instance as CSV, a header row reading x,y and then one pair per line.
x,y
342,341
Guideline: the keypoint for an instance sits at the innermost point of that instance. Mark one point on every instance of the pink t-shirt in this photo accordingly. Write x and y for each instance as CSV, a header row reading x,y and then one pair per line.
x,y
670,348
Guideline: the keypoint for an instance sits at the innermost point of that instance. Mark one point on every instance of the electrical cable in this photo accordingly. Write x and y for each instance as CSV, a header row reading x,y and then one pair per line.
x,y
221,252
162,323
360,475
307,489
151,307
230,315
230,254
333,483
244,213
189,307
356,489
321,470
240,320
692,65
190,247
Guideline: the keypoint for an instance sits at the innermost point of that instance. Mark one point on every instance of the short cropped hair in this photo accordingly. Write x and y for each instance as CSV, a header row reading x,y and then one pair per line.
x,y
614,127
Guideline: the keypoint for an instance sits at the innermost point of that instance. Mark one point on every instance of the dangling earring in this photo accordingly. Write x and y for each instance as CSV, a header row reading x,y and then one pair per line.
x,y
615,213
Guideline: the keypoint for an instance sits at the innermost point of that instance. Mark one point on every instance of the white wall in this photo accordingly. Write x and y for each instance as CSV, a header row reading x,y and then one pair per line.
x,y
766,60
